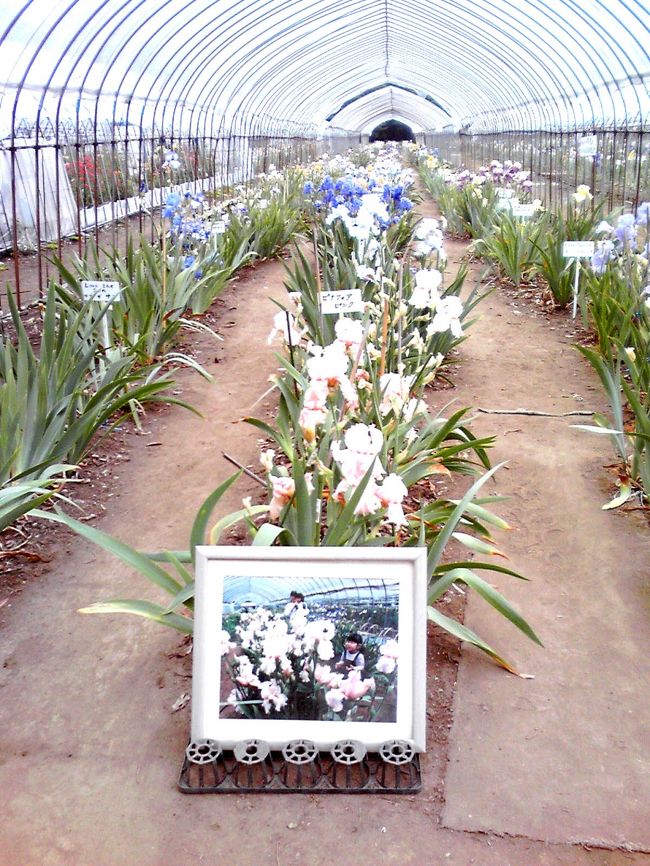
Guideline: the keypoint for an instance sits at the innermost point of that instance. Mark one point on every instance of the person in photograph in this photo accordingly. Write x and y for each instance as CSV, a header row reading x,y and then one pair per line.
x,y
352,658
296,607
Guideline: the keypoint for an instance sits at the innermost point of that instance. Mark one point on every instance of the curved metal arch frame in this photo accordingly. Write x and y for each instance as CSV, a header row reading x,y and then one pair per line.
x,y
460,81
263,106
546,47
301,83
402,106
221,87
499,25
207,107
353,88
376,113
552,12
529,127
266,104
176,103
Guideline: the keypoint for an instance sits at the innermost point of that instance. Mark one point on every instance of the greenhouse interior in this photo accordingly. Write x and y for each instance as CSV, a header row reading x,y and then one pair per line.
x,y
369,278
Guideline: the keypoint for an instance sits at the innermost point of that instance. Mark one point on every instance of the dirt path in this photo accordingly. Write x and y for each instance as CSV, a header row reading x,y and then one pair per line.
x,y
90,750
562,757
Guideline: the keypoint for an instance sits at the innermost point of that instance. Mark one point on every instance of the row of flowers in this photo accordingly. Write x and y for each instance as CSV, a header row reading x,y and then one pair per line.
x,y
352,389
130,345
477,204
355,443
614,294
354,453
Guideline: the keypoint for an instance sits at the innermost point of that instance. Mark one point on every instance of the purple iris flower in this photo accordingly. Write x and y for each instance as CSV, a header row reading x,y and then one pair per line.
x,y
603,254
643,213
625,229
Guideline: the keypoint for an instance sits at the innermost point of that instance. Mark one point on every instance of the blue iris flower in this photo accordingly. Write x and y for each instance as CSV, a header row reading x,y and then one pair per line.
x,y
602,255
643,213
625,229
405,204
347,188
308,188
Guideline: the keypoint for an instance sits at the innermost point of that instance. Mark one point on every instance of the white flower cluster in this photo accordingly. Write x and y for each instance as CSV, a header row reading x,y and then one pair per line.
x,y
279,656
363,443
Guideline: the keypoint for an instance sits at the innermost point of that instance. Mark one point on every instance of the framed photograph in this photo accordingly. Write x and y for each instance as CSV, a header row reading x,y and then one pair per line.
x,y
323,644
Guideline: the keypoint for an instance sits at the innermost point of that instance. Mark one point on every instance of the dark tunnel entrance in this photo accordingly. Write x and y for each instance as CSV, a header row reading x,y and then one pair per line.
x,y
392,130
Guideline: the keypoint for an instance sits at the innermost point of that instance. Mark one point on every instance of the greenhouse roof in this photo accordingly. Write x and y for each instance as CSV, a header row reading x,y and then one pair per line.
x,y
300,66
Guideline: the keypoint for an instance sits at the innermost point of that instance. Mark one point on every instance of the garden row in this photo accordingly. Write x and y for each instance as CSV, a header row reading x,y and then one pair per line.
x,y
95,360
610,285
354,446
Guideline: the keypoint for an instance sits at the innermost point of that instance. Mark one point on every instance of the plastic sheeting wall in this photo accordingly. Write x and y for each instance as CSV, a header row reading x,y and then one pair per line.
x,y
44,205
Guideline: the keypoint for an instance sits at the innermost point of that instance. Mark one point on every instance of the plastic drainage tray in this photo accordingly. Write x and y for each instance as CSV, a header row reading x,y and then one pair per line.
x,y
299,767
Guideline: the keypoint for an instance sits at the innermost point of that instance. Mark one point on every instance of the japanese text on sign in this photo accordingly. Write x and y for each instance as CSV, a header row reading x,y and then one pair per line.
x,y
588,145
578,249
100,291
343,301
523,211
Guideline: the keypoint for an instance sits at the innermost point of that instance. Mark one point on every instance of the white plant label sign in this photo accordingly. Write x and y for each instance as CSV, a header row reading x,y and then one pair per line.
x,y
219,228
523,211
342,301
100,291
505,193
506,203
588,145
578,249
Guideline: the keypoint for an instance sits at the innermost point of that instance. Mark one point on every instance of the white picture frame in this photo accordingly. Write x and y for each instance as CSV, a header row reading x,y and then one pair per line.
x,y
379,594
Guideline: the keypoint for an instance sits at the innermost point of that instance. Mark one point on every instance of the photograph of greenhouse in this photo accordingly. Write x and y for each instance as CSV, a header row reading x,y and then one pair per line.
x,y
327,650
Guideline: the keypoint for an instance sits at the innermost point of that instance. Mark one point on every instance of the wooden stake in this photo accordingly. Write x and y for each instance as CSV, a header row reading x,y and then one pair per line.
x,y
164,272
384,338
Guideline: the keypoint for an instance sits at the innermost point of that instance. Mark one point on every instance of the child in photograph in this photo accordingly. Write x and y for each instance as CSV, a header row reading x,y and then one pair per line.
x,y
352,656
296,606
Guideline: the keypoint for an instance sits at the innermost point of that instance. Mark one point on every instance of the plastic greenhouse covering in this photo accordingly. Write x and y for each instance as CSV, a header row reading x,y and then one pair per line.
x,y
247,83
198,65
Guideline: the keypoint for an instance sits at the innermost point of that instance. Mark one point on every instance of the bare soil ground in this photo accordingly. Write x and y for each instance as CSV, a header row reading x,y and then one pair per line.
x,y
90,746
